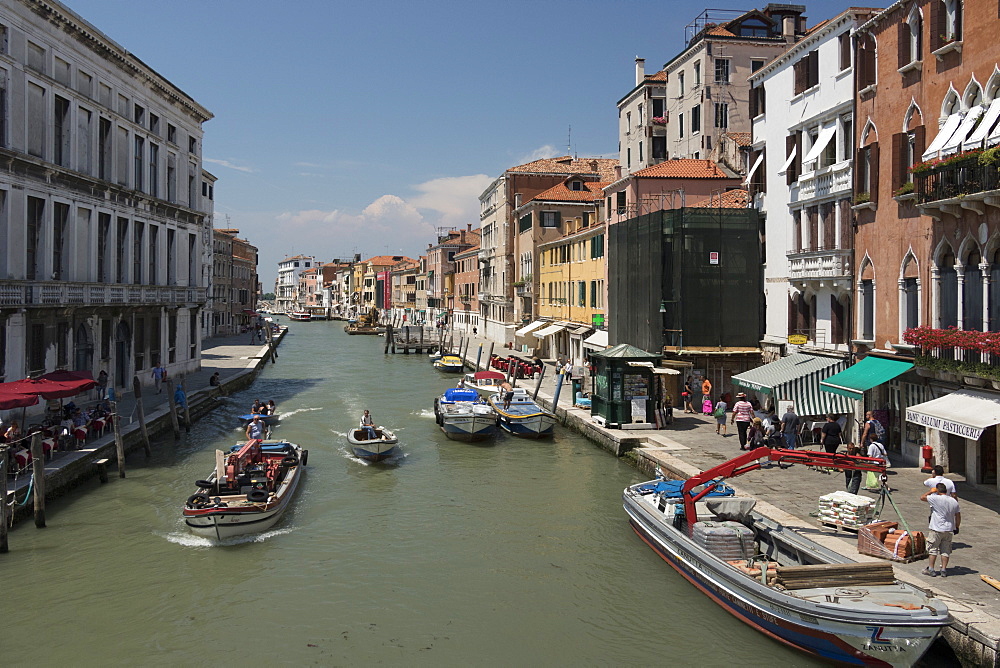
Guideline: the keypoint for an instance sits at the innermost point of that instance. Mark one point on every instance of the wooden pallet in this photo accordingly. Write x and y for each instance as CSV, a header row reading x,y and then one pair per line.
x,y
838,525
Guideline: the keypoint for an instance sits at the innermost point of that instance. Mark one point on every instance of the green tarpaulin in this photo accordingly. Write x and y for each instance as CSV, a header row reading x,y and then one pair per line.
x,y
866,374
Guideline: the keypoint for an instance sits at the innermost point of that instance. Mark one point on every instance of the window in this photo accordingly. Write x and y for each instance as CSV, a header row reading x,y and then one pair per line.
x,y
597,247
680,126
121,246
153,259
680,84
61,71
550,218
659,148
137,253
972,293
907,148
909,38
62,134
657,107
697,74
806,72
628,158
192,145
36,121
620,202
868,310
36,57
171,134
3,108
947,292
138,157
154,124
628,122
37,346
696,119
844,49
755,27
721,70
640,153
84,83
865,75
103,241
60,219
756,64
722,114
593,294
139,115
154,170
36,211
866,171
757,100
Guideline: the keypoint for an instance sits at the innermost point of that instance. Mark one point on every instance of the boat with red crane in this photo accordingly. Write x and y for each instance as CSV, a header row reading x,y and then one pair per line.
x,y
249,490
779,581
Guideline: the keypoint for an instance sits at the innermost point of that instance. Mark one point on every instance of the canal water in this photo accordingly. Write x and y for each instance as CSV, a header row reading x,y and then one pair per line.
x,y
516,552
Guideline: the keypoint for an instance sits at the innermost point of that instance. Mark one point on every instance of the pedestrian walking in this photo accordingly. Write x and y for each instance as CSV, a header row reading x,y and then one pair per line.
x,y
939,478
852,479
688,395
706,395
475,332
876,451
832,434
790,423
720,416
159,373
873,430
742,417
102,385
568,370
945,520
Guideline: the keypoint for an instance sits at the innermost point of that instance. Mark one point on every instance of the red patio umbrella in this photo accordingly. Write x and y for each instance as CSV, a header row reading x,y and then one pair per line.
x,y
11,397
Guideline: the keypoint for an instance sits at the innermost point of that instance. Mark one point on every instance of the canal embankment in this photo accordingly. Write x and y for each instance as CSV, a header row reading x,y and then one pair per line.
x,y
238,364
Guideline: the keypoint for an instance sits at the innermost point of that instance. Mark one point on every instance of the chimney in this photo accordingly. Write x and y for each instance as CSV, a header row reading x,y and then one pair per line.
x,y
618,171
788,27
468,227
517,200
640,70
593,165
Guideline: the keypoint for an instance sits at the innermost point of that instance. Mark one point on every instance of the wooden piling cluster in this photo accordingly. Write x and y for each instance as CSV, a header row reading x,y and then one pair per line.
x,y
409,339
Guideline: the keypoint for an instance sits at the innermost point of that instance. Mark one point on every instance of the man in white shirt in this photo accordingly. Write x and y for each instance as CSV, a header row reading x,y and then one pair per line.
x,y
939,478
946,518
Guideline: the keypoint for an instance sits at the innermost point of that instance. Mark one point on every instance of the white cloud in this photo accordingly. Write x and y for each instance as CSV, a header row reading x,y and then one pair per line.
x,y
455,199
547,151
230,165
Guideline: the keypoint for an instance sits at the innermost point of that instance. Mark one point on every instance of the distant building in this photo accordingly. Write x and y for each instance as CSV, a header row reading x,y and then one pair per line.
x,y
441,267
467,288
286,286
105,210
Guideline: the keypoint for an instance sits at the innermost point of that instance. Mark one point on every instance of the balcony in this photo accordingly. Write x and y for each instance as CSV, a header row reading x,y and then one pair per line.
x,y
955,355
960,183
831,180
823,264
523,290
60,293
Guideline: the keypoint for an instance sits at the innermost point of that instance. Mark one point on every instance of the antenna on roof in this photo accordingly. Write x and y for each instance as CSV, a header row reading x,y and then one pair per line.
x,y
569,139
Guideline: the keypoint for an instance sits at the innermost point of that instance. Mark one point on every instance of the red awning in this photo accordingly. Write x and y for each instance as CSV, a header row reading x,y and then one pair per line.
x,y
483,375
11,398
55,385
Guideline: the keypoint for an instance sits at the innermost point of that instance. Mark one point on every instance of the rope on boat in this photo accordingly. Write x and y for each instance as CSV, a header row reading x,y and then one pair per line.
x,y
27,494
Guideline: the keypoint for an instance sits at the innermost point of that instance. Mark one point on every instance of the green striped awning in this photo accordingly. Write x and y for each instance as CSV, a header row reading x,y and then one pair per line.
x,y
796,379
866,374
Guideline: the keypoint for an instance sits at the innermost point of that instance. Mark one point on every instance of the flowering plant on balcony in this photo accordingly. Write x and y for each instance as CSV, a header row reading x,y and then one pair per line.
x,y
928,338
934,163
658,120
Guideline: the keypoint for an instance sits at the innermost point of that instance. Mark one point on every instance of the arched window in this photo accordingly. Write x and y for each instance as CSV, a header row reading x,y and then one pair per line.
x,y
910,305
995,291
972,292
83,350
948,291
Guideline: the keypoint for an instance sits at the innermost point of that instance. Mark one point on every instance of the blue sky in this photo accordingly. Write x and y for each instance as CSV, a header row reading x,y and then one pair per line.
x,y
345,127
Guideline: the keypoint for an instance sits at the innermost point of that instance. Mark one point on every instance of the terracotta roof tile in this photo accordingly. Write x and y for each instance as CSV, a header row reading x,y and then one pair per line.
x,y
719,31
731,199
659,76
567,165
561,193
741,138
386,260
687,168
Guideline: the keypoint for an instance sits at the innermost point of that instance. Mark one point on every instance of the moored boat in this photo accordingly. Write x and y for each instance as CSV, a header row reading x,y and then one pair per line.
x,y
522,417
449,364
382,446
778,581
265,418
249,490
486,383
463,416
300,316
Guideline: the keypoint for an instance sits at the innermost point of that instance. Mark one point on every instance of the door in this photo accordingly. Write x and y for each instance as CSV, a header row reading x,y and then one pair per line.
x,y
956,454
122,357
988,456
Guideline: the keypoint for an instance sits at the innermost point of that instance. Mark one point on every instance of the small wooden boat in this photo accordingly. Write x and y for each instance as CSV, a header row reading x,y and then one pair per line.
x,y
266,419
383,446
250,488
449,364
522,417
435,355
463,416
486,383
300,316
777,580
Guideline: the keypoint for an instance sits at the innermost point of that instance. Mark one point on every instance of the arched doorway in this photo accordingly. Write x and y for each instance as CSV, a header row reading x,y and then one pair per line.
x,y
123,344
972,292
83,350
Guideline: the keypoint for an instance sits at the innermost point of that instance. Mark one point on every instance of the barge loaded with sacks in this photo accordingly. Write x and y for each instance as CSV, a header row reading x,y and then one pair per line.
x,y
778,581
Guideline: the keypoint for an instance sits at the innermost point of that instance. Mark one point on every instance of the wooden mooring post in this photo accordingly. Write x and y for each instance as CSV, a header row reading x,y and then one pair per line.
x,y
38,478
173,409
273,349
489,358
538,385
119,444
388,339
4,510
137,389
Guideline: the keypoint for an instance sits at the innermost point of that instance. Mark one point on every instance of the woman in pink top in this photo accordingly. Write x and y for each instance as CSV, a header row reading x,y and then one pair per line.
x,y
742,416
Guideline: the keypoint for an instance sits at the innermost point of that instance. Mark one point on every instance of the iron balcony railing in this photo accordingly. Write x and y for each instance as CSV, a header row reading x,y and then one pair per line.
x,y
959,179
60,293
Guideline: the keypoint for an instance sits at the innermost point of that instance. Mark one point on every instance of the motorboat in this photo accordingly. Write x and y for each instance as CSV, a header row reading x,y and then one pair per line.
x,y
364,446
266,418
450,364
463,416
486,383
249,490
300,316
522,416
777,580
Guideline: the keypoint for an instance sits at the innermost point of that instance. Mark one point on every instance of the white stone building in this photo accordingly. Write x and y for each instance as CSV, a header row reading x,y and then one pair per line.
x,y
802,158
642,123
105,235
286,286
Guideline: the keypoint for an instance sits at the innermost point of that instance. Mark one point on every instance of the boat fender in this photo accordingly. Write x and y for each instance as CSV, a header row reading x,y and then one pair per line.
x,y
204,484
289,461
197,500
257,496
305,457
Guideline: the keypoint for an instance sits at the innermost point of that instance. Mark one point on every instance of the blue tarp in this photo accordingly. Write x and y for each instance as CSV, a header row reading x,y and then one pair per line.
x,y
672,489
460,394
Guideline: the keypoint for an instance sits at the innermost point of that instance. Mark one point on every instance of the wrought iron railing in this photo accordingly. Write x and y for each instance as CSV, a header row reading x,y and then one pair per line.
x,y
958,179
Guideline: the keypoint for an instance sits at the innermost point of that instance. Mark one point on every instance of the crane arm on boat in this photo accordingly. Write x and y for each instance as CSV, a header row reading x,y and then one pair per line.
x,y
750,461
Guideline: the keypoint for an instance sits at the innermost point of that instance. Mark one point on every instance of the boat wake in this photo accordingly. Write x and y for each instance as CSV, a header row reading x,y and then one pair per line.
x,y
424,413
395,459
300,410
188,540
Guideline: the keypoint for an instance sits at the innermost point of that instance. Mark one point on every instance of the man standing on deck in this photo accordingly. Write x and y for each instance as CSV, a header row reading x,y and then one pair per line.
x,y
946,518
255,430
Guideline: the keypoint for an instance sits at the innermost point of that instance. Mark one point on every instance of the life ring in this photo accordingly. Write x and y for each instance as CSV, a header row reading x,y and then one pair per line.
x,y
197,500
289,461
205,484
257,496
305,457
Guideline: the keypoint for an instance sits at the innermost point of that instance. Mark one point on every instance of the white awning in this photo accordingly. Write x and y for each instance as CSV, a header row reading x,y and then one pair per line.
x,y
581,329
943,135
825,135
963,131
548,331
789,161
657,370
756,164
530,328
963,413
598,338
982,131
